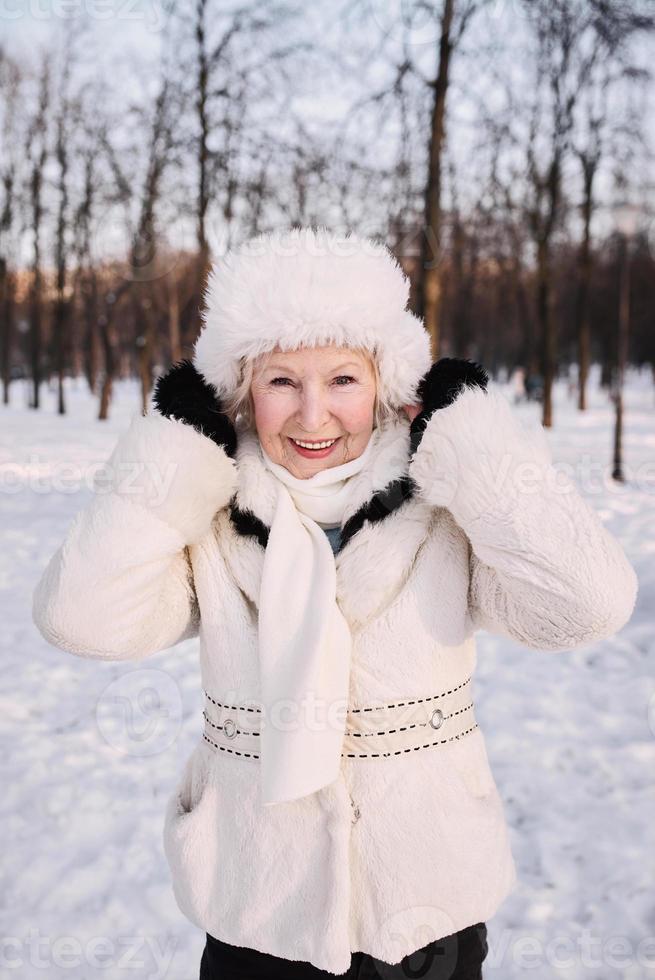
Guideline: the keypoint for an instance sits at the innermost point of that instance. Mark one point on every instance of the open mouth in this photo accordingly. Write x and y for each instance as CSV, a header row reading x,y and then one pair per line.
x,y
314,449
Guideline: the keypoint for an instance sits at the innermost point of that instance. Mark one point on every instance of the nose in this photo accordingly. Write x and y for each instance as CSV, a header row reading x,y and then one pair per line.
x,y
313,413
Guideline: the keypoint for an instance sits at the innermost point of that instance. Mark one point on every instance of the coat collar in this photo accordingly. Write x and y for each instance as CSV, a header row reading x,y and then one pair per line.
x,y
383,526
380,486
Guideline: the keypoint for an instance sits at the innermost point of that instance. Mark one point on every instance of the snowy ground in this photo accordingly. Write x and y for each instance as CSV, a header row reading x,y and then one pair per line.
x,y
91,751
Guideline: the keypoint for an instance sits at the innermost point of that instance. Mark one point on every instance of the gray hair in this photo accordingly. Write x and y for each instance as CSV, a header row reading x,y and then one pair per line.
x,y
240,402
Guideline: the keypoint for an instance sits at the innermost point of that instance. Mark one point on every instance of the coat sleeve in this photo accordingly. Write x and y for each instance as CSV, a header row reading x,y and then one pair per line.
x,y
120,586
544,570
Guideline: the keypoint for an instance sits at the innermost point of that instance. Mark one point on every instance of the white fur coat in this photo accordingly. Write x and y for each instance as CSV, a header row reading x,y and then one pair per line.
x,y
477,533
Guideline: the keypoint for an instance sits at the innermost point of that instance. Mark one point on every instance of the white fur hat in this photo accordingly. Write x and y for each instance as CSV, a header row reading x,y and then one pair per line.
x,y
305,288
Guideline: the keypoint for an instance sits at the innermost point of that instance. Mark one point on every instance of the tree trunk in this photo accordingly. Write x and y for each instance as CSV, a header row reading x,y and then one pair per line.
x,y
584,280
174,321
35,333
529,359
7,286
105,397
431,288
106,335
583,355
59,326
547,331
145,345
91,333
621,359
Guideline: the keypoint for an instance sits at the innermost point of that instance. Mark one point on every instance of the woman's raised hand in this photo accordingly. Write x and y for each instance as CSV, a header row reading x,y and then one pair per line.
x,y
440,387
183,394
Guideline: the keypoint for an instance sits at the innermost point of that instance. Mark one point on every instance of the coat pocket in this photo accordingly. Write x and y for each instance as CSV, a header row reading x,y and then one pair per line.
x,y
194,780
189,836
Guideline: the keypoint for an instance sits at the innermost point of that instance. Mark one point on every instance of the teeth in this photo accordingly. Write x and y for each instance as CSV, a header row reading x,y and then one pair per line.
x,y
314,445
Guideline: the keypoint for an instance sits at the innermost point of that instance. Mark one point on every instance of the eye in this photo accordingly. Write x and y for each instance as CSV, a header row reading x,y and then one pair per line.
x,y
342,377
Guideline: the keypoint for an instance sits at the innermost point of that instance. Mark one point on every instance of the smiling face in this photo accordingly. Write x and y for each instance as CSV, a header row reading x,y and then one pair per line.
x,y
313,395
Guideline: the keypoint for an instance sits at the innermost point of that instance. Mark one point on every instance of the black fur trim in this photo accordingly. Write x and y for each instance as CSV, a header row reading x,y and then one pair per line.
x,y
381,504
184,394
248,524
439,388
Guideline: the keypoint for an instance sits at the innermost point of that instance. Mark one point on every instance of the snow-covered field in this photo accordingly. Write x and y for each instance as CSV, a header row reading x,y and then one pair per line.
x,y
91,750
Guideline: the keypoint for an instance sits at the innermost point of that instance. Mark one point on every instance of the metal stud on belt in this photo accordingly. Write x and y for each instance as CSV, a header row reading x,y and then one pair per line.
x,y
436,718
229,728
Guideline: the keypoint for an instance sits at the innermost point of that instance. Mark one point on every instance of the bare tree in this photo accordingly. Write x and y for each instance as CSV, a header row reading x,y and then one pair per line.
x,y
241,59
10,82
142,268
559,71
599,136
430,290
143,253
571,40
94,287
451,19
63,139
85,279
589,150
36,152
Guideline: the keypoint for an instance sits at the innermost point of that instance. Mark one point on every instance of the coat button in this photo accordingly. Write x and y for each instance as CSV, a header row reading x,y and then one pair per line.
x,y
229,728
436,718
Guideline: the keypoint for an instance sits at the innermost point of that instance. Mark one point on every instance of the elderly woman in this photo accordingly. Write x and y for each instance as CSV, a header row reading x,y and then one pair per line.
x,y
335,517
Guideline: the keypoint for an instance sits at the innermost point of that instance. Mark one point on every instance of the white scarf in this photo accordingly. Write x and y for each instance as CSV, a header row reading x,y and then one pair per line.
x,y
304,640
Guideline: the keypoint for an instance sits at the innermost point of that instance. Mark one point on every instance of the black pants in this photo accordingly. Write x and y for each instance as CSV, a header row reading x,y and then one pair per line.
x,y
456,957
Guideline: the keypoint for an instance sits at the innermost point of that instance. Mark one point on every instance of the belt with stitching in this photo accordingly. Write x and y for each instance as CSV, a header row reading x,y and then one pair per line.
x,y
372,732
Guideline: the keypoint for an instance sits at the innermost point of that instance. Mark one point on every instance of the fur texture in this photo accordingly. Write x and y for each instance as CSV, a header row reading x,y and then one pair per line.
x,y
121,584
306,288
440,387
543,568
183,393
307,880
